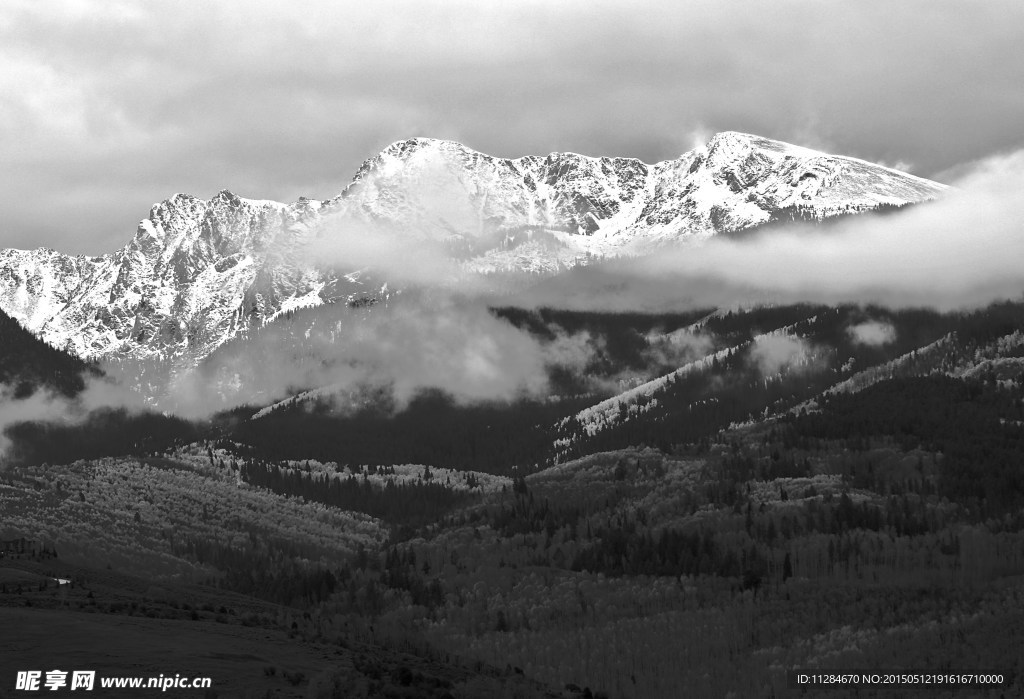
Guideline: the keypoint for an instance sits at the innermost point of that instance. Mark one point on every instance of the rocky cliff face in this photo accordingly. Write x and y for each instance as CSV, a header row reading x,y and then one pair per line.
x,y
198,272
195,273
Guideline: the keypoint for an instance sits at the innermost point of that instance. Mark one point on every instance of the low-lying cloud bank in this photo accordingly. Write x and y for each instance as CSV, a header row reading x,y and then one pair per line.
x,y
965,250
46,406
771,353
962,251
873,333
421,340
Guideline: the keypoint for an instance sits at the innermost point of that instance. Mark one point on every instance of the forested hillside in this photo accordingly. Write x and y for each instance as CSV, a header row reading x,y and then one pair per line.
x,y
806,487
27,364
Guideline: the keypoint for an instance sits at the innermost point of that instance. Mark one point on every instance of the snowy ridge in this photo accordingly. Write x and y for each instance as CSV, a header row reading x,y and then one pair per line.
x,y
607,411
200,272
570,206
596,417
943,356
196,273
993,356
869,377
640,399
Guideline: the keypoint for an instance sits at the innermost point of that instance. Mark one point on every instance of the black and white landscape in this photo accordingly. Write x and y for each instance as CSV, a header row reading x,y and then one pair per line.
x,y
680,417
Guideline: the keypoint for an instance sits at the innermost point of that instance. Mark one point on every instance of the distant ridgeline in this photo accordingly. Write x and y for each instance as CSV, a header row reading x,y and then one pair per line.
x,y
683,407
229,262
731,385
630,393
27,364
103,432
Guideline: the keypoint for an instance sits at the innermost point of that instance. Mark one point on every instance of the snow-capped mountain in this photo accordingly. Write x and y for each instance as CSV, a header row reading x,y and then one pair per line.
x,y
198,272
195,273
539,212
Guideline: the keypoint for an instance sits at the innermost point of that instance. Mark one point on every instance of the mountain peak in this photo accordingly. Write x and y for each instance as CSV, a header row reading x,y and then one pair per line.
x,y
734,136
198,272
408,146
733,141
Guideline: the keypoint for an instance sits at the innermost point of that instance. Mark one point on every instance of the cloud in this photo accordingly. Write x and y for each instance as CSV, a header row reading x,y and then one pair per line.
x,y
676,348
111,106
573,351
901,165
873,333
47,406
772,353
420,341
38,406
396,255
962,251
424,253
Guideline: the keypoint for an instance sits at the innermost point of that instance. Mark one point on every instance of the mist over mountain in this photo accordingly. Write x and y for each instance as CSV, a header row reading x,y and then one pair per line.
x,y
196,312
200,272
957,252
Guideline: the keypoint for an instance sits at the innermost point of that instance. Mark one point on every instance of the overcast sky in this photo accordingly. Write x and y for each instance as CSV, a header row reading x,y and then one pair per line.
x,y
108,107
